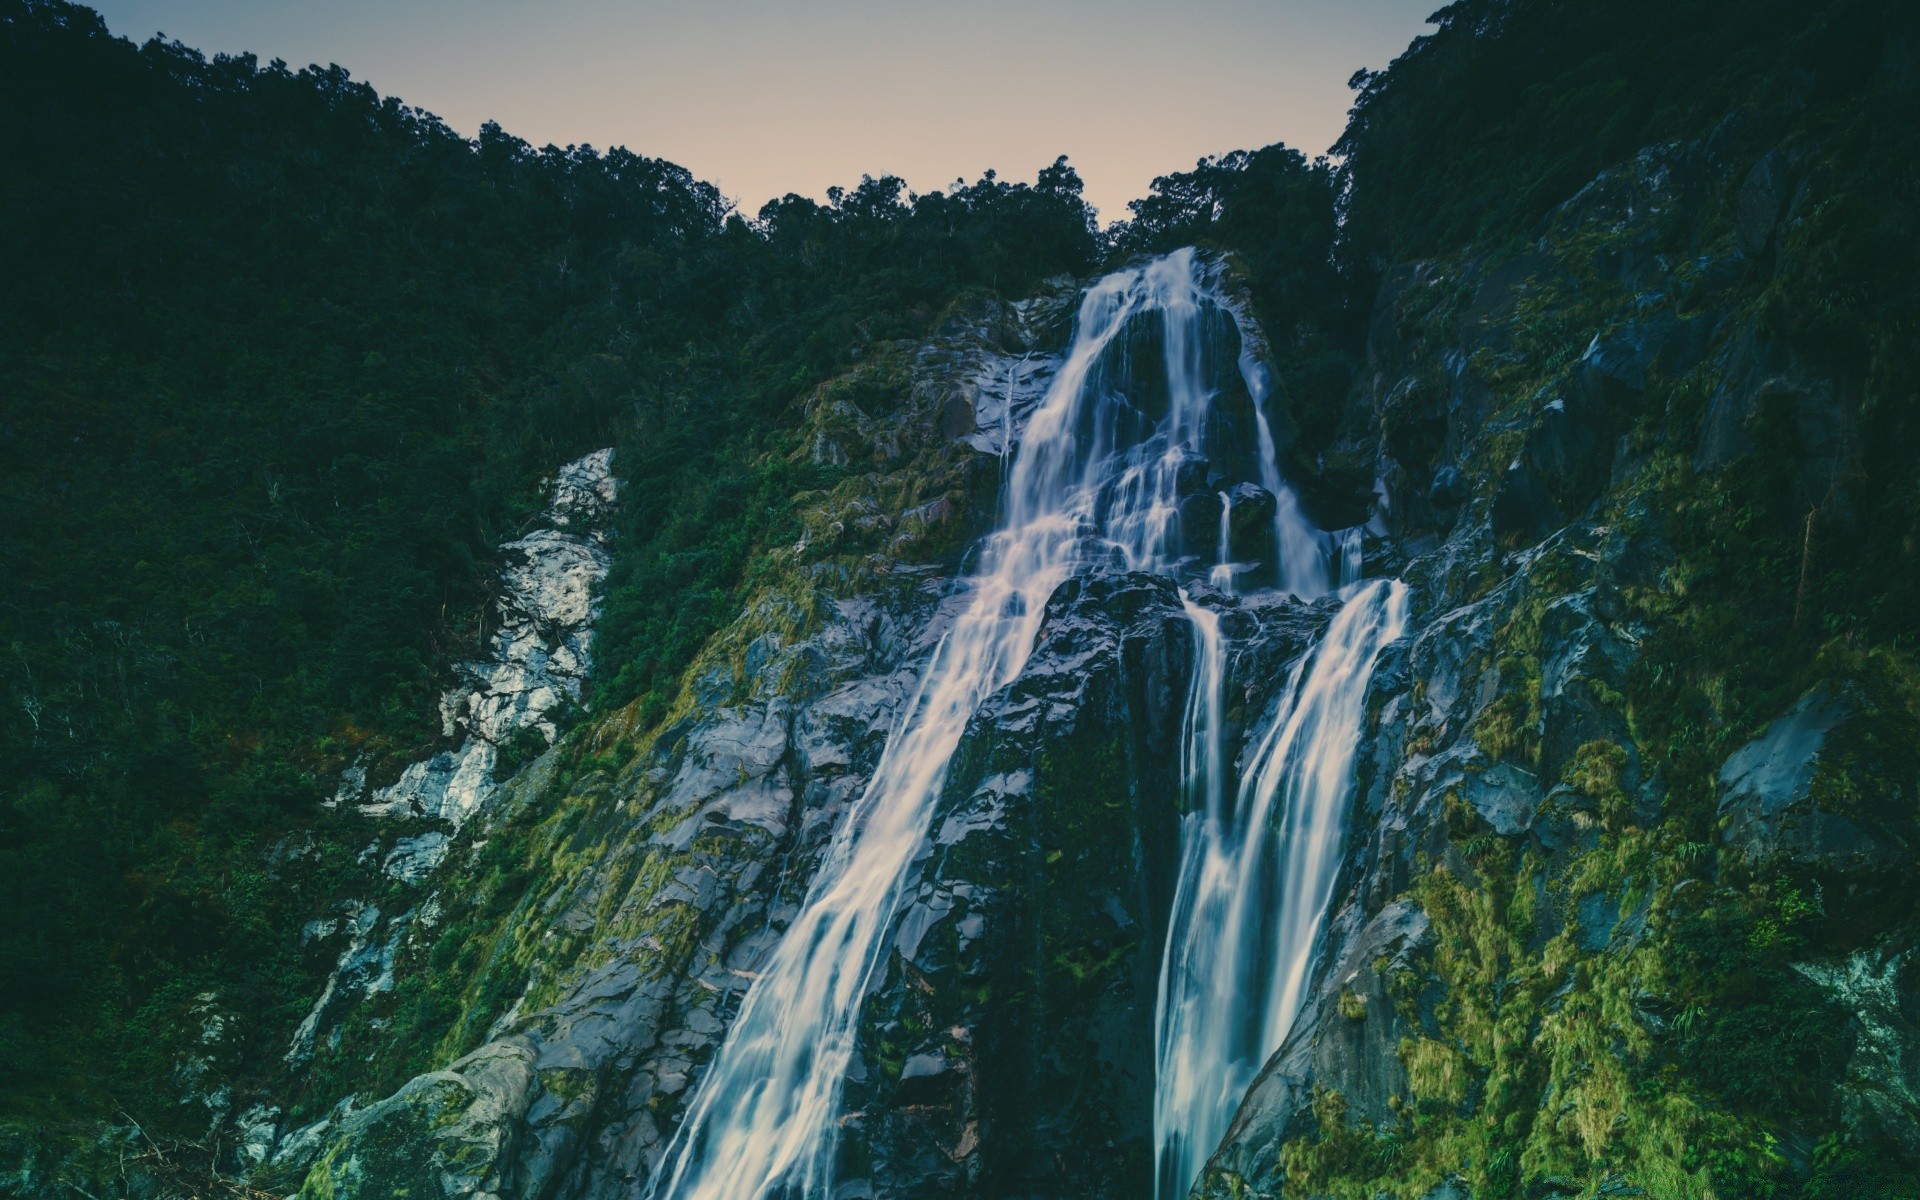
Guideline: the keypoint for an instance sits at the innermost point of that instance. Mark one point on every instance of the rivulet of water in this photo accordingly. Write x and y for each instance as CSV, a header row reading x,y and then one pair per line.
x,y
1093,482
1255,876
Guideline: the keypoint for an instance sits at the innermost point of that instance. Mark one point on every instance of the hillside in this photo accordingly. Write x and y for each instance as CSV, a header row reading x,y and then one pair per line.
x,y
406,796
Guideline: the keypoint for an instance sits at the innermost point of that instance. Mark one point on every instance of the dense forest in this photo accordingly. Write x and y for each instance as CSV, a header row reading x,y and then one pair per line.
x,y
282,359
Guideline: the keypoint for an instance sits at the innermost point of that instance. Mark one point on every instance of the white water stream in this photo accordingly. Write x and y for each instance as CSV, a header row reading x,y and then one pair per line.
x,y
1093,483
1256,877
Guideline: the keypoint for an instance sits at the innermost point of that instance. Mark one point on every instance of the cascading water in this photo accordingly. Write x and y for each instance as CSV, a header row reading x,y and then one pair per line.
x,y
1346,544
1095,481
1255,880
1304,569
1222,574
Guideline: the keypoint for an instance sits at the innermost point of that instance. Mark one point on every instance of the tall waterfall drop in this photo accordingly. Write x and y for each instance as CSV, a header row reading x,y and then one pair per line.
x,y
1094,482
1256,878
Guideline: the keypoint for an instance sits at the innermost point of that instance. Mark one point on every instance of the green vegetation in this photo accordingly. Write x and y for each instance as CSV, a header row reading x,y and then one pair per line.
x,y
1624,1012
1509,108
282,359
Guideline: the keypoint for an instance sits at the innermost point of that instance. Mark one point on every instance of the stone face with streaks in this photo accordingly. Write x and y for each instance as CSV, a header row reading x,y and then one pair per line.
x,y
537,663
538,655
689,862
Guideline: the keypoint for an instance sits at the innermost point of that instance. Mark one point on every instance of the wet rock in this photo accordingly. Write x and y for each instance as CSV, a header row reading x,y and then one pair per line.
x,y
1568,821
1568,456
1505,795
1200,526
1190,477
927,1079
1029,953
1584,661
1596,913
1449,488
1356,1055
1769,805
1011,365
1346,1039
1250,516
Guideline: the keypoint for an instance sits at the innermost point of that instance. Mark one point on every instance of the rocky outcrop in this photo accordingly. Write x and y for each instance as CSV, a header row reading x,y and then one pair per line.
x,y
664,872
1523,935
1767,807
1567,458
1250,510
1880,1092
536,667
697,854
1358,1026
1008,1050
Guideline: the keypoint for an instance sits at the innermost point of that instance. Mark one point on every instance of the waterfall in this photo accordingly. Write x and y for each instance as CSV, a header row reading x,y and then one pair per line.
x,y
1346,552
1304,569
1255,880
1312,562
1222,574
1093,483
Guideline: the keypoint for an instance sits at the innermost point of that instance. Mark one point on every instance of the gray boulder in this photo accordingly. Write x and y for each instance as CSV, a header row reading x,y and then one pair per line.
x,y
1772,809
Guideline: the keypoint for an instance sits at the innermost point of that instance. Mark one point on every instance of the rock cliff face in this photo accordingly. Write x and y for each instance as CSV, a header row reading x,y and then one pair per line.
x,y
1523,930
1527,951
1007,1044
670,867
538,657
1010,1048
1566,906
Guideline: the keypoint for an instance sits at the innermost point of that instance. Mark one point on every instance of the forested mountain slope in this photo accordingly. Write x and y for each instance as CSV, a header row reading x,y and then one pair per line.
x,y
282,360
1602,328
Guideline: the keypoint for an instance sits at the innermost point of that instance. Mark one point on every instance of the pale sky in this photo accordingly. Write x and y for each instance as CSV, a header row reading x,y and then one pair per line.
x,y
763,98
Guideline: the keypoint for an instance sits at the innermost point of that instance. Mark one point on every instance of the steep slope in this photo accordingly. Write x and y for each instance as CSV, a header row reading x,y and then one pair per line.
x,y
655,868
282,362
1601,338
1623,916
1006,1046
